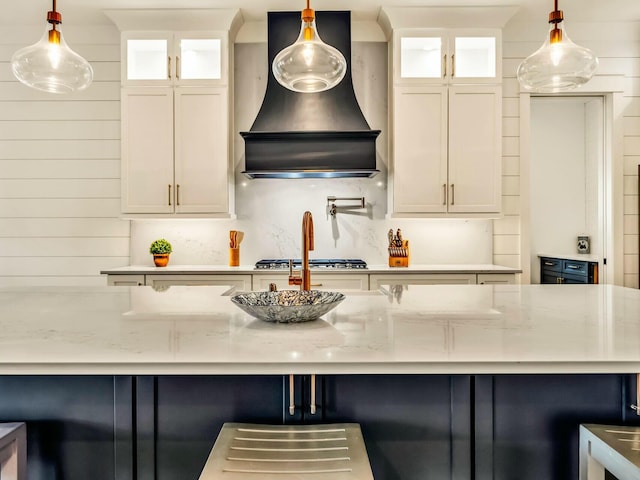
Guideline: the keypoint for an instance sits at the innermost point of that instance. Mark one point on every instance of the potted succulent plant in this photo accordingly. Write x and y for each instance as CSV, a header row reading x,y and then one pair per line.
x,y
160,249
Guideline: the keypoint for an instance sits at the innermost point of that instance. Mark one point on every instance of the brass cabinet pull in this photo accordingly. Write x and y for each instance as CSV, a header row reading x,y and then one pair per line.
x,y
292,402
444,64
169,194
178,195
316,285
444,194
177,67
312,406
169,68
453,194
453,65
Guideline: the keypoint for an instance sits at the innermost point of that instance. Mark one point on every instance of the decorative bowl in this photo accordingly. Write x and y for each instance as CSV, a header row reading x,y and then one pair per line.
x,y
287,306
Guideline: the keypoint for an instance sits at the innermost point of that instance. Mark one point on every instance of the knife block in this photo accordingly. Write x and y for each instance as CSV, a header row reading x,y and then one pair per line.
x,y
399,256
234,257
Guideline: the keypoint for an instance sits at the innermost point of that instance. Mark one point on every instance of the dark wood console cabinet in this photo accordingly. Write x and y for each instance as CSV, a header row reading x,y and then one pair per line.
x,y
563,270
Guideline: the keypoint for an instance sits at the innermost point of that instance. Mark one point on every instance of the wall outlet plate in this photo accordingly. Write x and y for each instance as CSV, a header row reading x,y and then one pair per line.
x,y
583,244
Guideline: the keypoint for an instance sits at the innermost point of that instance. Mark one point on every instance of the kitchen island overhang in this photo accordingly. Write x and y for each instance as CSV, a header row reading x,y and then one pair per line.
x,y
438,329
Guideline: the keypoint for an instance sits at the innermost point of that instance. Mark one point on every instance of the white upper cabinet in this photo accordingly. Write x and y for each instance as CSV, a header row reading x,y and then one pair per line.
x,y
447,150
454,56
175,150
174,58
175,124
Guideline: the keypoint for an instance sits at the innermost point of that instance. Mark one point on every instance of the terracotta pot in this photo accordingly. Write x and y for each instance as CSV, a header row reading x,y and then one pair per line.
x,y
161,259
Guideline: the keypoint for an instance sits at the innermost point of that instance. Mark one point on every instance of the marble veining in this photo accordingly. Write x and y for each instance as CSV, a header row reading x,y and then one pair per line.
x,y
431,329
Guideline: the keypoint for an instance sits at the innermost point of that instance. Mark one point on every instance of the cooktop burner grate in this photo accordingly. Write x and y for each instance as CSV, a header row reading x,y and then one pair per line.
x,y
278,263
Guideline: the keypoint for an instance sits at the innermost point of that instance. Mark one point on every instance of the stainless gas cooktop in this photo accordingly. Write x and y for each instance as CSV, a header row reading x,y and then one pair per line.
x,y
337,263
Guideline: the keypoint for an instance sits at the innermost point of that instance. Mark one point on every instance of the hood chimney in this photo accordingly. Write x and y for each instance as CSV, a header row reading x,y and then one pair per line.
x,y
315,135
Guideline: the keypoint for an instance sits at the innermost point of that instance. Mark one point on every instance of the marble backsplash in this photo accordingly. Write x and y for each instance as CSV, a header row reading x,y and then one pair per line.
x,y
269,211
206,242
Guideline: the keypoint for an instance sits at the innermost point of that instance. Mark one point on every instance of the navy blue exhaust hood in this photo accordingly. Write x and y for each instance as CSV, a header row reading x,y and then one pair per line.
x,y
310,135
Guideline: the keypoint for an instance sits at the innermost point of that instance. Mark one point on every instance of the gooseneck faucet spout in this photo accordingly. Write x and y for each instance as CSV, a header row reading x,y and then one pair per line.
x,y
307,244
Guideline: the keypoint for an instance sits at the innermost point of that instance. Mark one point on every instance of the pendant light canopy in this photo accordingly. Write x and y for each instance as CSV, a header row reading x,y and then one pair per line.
x,y
559,65
309,65
50,65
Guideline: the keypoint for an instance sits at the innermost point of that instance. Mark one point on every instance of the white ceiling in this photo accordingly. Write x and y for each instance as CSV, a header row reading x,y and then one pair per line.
x,y
28,12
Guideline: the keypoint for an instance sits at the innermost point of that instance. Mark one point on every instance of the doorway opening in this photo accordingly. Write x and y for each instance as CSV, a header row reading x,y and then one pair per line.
x,y
568,194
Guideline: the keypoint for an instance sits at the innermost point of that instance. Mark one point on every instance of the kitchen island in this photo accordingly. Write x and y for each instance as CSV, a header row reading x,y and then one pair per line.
x,y
457,382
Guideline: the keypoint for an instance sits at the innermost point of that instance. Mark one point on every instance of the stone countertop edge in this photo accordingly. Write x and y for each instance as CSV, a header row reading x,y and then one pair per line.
x,y
250,269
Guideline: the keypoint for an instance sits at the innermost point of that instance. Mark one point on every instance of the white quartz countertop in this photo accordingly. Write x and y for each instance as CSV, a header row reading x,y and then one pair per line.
x,y
415,329
224,270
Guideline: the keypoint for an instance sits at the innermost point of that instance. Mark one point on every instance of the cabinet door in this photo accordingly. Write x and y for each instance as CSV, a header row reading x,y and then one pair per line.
x,y
420,56
496,278
420,149
125,280
319,281
147,150
377,280
240,282
415,427
475,149
187,414
201,152
200,58
475,56
146,58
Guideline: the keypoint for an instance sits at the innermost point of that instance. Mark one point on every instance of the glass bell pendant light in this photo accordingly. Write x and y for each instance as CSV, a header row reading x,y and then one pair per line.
x,y
309,65
559,65
50,65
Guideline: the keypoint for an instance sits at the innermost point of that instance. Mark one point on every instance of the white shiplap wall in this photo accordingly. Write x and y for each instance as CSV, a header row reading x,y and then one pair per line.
x,y
60,169
618,48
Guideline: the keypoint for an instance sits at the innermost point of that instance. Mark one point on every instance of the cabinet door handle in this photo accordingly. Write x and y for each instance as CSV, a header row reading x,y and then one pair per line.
x,y
312,407
169,196
169,68
453,194
574,267
444,66
444,194
549,264
292,403
177,68
453,65
178,195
